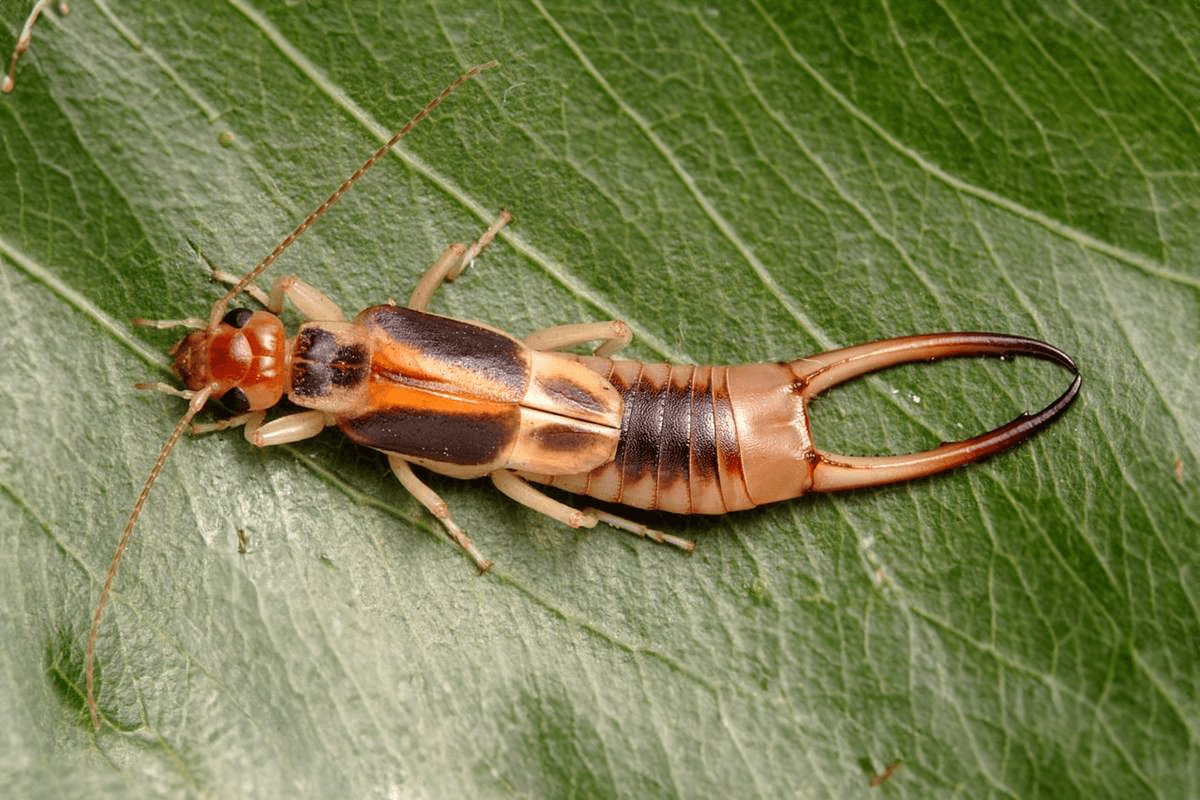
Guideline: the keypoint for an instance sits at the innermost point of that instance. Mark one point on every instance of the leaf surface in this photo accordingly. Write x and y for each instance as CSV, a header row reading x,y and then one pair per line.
x,y
740,182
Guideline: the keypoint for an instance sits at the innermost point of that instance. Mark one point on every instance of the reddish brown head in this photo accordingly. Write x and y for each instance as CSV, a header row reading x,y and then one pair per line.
x,y
244,358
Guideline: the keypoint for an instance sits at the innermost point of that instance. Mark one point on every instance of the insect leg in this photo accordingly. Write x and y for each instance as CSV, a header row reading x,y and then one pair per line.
x,y
285,430
227,424
165,388
637,529
195,323
310,301
221,276
614,334
437,506
454,259
516,488
449,266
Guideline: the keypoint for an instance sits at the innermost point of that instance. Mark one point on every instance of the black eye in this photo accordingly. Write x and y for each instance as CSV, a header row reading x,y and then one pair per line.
x,y
237,317
235,400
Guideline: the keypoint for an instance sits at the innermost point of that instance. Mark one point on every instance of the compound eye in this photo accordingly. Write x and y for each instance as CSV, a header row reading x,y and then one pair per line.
x,y
238,317
235,400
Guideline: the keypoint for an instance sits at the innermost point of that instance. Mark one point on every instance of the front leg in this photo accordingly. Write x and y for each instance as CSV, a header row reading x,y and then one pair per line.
x,y
285,430
311,302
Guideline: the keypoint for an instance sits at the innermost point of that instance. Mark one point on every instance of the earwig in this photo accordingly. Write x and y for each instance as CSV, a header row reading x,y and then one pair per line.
x,y
466,400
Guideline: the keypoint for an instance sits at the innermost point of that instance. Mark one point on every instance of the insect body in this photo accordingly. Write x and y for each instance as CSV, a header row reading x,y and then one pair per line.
x,y
466,400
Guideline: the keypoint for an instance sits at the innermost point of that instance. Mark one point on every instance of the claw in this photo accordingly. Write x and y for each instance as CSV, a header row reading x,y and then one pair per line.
x,y
832,472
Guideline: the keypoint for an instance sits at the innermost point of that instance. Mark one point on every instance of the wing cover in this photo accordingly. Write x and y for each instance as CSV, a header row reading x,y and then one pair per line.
x,y
450,392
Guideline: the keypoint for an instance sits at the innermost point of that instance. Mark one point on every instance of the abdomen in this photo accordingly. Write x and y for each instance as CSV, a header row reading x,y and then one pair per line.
x,y
685,444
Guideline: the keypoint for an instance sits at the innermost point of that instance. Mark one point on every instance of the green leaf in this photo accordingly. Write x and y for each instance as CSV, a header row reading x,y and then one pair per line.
x,y
739,182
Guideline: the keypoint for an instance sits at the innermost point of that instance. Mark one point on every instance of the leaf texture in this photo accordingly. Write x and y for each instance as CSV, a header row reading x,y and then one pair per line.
x,y
739,182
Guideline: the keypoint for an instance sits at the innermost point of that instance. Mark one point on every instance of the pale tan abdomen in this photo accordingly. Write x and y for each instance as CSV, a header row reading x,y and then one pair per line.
x,y
700,440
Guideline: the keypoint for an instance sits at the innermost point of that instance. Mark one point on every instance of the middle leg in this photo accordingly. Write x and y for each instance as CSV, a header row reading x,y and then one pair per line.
x,y
455,259
438,507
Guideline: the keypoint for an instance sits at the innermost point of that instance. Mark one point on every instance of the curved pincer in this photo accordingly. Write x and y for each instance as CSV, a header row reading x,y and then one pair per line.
x,y
832,472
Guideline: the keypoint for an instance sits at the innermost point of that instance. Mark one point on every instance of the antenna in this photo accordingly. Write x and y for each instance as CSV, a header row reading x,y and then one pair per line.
x,y
197,399
219,307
